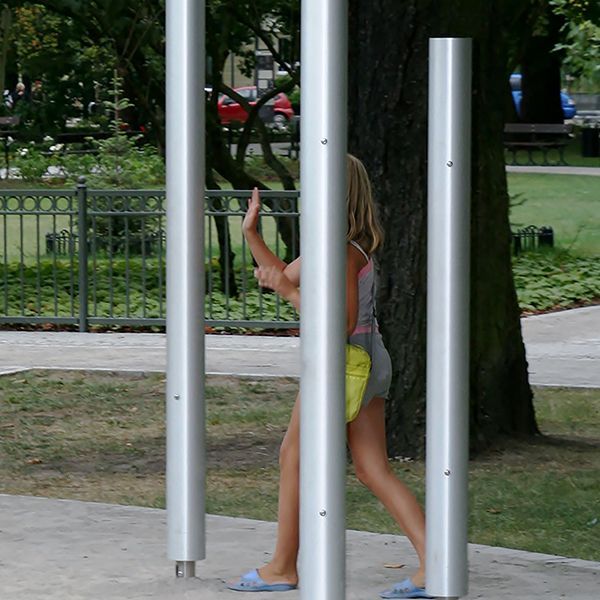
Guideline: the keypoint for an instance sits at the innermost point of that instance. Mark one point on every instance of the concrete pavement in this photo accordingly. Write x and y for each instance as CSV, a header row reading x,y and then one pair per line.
x,y
563,349
555,170
69,550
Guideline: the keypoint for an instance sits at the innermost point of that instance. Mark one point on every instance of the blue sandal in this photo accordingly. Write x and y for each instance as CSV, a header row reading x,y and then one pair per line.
x,y
253,582
405,589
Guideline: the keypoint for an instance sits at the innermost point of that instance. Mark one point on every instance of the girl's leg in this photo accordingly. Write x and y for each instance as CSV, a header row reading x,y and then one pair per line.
x,y
282,567
366,438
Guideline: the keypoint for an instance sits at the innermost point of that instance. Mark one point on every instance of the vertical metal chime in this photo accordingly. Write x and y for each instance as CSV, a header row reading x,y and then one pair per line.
x,y
185,284
323,323
448,248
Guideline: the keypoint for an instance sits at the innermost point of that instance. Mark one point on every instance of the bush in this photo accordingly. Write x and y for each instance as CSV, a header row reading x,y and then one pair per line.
x,y
116,162
555,279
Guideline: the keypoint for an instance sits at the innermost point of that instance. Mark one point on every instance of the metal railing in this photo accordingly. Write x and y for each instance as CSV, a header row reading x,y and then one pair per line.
x,y
532,238
97,257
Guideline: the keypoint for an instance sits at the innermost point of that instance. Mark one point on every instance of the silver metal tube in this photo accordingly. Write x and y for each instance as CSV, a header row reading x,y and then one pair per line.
x,y
323,323
185,283
449,170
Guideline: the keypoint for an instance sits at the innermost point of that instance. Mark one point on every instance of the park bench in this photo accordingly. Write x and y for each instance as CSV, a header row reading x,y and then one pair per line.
x,y
82,138
534,137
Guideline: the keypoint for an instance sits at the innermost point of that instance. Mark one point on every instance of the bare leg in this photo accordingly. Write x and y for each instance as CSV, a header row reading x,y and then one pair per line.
x,y
366,437
282,568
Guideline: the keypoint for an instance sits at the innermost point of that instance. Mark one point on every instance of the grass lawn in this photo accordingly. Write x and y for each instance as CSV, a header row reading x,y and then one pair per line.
x,y
570,204
98,436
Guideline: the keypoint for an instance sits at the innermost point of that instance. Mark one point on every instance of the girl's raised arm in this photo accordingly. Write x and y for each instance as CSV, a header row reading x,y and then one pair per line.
x,y
292,272
262,255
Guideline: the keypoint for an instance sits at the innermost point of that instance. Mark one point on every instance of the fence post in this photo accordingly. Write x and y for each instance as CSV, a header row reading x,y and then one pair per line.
x,y
83,251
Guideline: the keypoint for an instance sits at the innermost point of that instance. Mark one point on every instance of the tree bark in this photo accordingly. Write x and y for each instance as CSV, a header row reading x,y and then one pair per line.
x,y
540,68
388,131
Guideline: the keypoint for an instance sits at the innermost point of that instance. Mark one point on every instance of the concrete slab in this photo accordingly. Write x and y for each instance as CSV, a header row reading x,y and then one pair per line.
x,y
69,550
563,349
240,355
555,170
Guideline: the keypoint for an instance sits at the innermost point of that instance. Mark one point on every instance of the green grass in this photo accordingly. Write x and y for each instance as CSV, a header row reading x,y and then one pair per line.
x,y
100,436
570,204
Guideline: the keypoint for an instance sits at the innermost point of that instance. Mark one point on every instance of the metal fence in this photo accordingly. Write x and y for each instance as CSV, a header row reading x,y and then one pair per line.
x,y
532,238
97,257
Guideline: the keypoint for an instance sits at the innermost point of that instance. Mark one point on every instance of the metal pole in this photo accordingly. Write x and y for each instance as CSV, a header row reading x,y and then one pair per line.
x,y
323,324
185,284
449,170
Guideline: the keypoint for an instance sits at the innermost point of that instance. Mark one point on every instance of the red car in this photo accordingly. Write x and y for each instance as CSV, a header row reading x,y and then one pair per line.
x,y
230,110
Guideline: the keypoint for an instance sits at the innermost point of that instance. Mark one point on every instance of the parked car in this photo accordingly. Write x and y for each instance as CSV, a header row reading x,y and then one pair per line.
x,y
568,104
279,113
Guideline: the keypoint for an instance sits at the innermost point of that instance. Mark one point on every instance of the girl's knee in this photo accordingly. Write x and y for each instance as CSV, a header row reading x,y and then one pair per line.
x,y
370,474
289,452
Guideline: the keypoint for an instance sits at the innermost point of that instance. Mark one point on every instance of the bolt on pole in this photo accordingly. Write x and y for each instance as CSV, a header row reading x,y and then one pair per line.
x,y
185,284
323,321
448,248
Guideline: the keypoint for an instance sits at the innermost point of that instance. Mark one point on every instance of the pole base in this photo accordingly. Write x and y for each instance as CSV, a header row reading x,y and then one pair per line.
x,y
185,568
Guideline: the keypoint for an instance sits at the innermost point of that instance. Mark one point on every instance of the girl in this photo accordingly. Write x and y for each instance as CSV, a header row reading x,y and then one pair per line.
x,y
366,434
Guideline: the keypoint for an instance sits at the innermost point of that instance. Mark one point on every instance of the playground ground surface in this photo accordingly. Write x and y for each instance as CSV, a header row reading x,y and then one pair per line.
x,y
70,549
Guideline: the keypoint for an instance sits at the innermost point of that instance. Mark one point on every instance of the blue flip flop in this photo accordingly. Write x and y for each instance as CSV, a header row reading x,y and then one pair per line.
x,y
405,589
253,582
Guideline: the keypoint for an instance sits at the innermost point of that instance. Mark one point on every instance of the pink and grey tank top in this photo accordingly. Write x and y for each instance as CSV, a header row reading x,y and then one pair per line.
x,y
366,289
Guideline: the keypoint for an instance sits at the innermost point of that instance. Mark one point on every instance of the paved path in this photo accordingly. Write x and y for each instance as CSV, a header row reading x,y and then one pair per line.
x,y
594,171
563,349
69,550
225,354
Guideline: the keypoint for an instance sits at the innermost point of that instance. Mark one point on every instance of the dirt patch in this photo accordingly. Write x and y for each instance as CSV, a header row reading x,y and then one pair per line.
x,y
94,424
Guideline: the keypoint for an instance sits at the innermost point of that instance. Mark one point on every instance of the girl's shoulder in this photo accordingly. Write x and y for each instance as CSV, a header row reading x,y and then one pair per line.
x,y
360,249
357,255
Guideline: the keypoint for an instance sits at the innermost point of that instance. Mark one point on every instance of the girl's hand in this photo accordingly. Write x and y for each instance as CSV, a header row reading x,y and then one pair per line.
x,y
273,278
250,222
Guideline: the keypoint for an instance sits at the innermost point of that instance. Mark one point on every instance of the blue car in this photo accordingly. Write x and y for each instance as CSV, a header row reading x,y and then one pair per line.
x,y
568,104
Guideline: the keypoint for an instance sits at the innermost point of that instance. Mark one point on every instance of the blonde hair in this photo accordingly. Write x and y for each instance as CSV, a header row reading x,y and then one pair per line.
x,y
363,222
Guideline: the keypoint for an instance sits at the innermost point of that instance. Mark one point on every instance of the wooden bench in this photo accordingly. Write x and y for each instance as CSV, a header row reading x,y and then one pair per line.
x,y
532,137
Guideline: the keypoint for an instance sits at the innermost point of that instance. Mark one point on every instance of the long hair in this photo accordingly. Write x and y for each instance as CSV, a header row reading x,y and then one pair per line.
x,y
363,222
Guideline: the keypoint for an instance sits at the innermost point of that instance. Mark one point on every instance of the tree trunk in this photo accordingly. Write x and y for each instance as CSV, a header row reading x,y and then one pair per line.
x,y
540,68
388,131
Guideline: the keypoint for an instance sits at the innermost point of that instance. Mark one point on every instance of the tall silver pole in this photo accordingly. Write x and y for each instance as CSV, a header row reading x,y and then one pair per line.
x,y
449,170
323,323
185,284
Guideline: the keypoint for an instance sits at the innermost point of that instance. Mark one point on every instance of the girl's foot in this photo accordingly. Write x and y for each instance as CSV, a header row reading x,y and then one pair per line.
x,y
405,589
253,582
270,574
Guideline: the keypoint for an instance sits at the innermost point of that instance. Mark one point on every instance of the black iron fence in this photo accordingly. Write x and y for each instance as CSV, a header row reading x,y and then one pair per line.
x,y
96,257
532,238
